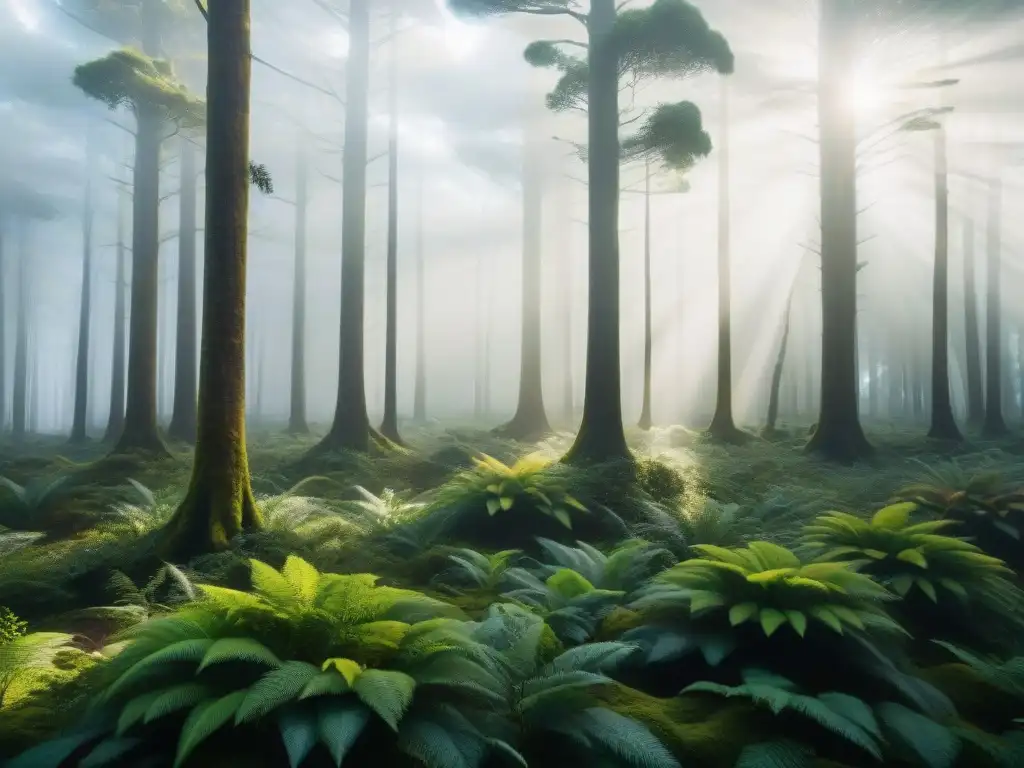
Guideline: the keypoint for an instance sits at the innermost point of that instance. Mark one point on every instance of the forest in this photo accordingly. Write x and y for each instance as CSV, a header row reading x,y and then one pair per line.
x,y
511,383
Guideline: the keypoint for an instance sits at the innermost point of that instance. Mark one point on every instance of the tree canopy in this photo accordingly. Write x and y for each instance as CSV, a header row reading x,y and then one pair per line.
x,y
127,78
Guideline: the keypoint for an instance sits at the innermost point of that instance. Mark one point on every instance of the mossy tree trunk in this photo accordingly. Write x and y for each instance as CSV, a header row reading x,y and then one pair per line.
x,y
81,408
943,423
297,424
530,421
645,407
141,432
389,424
419,399
351,427
601,436
994,424
723,427
972,343
219,503
183,415
115,419
19,402
839,435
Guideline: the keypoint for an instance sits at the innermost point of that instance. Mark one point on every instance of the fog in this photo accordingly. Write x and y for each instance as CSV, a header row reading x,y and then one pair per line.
x,y
466,96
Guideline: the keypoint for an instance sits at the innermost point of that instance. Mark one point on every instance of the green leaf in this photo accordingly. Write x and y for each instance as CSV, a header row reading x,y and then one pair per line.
x,y
776,754
109,751
387,692
798,620
702,601
239,649
325,684
875,554
902,584
347,668
274,689
299,734
562,516
568,583
914,557
742,612
339,723
205,720
827,617
181,651
955,587
928,588
771,620
934,744
507,502
183,696
895,516
493,505
134,711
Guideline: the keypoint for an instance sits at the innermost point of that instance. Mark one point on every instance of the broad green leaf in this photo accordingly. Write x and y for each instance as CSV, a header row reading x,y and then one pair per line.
x,y
701,601
798,620
562,516
928,588
771,620
205,720
339,723
902,584
387,692
742,612
239,649
914,557
347,668
507,502
827,617
895,516
299,734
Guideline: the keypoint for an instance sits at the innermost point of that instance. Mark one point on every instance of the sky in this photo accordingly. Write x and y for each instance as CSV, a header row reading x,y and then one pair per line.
x,y
465,93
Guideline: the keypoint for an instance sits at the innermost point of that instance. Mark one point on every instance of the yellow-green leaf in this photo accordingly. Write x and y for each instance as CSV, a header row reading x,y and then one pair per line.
x,y
347,668
914,557
894,516
494,488
875,554
848,616
765,577
562,516
742,612
507,502
701,601
493,505
798,620
827,617
573,502
771,620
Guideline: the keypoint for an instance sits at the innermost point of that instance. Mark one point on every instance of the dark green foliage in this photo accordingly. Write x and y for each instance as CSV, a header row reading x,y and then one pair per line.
x,y
11,626
660,481
673,132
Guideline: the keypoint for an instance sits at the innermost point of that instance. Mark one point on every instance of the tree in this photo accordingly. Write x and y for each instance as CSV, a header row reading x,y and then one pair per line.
x,y
78,425
994,424
389,423
219,503
780,362
972,343
645,407
115,419
419,406
148,88
297,408
530,421
669,38
183,416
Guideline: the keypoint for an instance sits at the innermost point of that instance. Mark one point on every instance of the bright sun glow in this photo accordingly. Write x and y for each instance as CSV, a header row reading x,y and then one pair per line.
x,y
24,14
864,95
461,40
336,44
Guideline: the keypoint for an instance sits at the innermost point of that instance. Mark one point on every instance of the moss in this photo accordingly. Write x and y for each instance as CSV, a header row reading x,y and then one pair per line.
x,y
619,621
658,480
317,486
698,734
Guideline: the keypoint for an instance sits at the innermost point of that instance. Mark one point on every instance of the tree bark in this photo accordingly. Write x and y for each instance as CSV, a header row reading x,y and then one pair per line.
x,y
530,421
601,436
943,423
780,361
219,503
972,344
723,427
351,428
115,419
839,435
389,423
297,424
19,404
183,418
645,408
419,407
79,427
994,425
141,432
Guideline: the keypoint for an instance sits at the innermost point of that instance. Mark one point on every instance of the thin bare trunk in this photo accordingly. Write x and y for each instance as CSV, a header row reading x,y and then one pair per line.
x,y
389,423
297,408
645,408
183,415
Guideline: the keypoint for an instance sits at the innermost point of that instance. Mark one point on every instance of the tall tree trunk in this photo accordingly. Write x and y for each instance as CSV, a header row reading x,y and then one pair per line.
x,y
871,355
839,435
780,361
351,428
297,424
975,393
943,423
994,425
4,235
183,417
601,436
219,503
419,400
19,405
115,419
723,428
78,424
530,421
389,422
568,389
645,409
141,432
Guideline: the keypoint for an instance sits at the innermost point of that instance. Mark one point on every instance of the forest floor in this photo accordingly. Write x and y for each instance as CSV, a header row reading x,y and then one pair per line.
x,y
76,530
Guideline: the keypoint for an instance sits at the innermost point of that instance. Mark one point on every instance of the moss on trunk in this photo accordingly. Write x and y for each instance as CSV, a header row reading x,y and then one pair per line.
x,y
219,503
